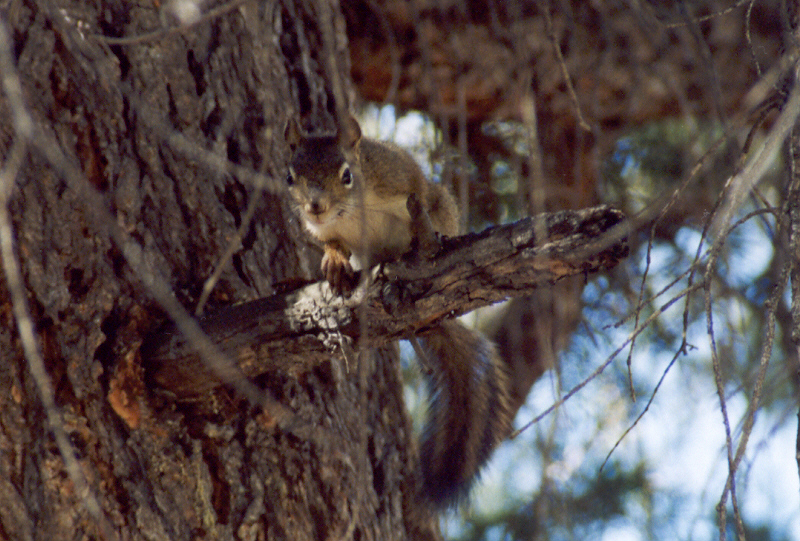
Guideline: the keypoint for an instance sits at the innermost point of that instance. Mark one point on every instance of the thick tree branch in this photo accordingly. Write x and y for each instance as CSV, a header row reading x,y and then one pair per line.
x,y
294,331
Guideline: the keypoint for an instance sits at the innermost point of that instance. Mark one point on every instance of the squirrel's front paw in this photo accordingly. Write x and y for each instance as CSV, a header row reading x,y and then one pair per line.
x,y
337,271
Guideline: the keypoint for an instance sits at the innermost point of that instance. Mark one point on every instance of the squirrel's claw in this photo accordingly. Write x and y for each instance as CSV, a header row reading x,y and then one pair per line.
x,y
337,270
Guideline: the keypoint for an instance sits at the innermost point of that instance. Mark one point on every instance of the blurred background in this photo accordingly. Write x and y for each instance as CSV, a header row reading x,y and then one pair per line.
x,y
685,350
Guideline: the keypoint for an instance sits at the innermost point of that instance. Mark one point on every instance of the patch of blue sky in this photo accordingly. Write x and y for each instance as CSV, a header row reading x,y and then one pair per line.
x,y
411,131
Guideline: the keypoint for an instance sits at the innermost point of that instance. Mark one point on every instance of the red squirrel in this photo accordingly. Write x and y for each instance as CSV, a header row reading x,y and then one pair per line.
x,y
362,225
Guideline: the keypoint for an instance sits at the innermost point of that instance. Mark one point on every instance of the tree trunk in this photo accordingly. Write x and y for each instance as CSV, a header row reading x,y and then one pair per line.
x,y
148,127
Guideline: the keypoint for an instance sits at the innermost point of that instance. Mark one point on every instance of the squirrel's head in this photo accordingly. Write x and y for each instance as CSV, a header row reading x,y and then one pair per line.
x,y
320,179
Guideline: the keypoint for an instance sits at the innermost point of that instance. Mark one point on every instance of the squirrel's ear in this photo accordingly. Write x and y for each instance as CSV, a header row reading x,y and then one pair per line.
x,y
350,133
292,134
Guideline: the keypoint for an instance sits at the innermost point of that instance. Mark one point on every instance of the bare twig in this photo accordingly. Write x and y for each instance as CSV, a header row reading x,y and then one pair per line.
x,y
792,215
551,34
233,245
165,32
759,162
24,134
600,369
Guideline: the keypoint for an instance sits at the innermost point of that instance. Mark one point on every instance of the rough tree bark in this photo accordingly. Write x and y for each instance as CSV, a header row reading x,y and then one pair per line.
x,y
120,196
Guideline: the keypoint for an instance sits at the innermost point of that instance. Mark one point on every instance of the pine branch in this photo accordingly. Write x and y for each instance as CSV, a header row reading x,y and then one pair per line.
x,y
294,331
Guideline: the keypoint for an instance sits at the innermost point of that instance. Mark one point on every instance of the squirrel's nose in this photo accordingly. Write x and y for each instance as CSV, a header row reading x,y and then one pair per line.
x,y
315,206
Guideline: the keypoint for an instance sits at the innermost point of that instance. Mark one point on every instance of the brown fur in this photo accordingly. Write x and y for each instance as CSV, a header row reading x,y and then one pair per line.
x,y
358,210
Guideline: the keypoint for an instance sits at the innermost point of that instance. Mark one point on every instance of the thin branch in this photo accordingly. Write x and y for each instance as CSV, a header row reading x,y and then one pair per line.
x,y
703,18
394,51
638,330
160,33
24,134
730,486
647,406
233,245
737,189
761,159
690,288
792,215
551,35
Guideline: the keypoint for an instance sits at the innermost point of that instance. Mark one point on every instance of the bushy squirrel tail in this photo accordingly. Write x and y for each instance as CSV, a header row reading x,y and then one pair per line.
x,y
469,412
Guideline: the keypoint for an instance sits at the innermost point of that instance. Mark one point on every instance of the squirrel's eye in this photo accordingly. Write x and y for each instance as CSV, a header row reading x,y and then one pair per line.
x,y
347,178
289,179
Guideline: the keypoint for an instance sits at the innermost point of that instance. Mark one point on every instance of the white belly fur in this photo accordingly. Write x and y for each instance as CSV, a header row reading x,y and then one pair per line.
x,y
381,233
